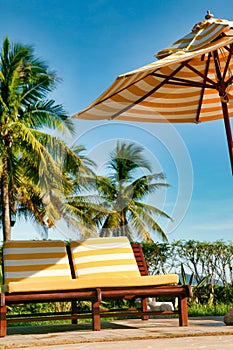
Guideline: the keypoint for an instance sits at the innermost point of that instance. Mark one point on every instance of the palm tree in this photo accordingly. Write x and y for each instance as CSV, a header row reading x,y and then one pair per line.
x,y
122,194
80,203
31,161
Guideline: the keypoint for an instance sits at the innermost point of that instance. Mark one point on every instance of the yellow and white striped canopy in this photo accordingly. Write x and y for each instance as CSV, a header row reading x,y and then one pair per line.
x,y
202,34
182,87
191,82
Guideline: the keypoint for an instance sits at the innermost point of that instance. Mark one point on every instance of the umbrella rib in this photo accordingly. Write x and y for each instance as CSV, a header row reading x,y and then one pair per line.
x,y
220,82
228,132
200,74
203,88
191,84
228,62
148,93
184,82
229,81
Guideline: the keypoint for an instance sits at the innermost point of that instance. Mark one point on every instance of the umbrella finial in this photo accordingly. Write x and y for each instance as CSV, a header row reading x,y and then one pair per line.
x,y
209,15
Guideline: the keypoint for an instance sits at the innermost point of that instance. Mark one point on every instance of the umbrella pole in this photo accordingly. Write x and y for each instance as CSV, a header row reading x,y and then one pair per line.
x,y
228,132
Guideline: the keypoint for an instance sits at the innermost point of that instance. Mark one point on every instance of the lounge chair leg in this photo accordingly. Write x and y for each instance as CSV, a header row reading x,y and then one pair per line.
x,y
74,311
145,308
183,311
96,315
96,311
2,316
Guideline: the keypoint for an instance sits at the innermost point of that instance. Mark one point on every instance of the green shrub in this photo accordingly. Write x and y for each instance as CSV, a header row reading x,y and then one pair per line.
x,y
213,294
223,294
219,309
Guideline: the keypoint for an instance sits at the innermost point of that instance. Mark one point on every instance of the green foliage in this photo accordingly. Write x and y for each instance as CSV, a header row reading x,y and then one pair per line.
x,y
39,172
156,256
118,303
122,193
200,310
31,308
198,259
212,259
213,294
183,277
224,293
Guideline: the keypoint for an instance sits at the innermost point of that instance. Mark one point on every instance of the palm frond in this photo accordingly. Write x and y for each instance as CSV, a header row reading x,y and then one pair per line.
x,y
125,160
152,210
149,220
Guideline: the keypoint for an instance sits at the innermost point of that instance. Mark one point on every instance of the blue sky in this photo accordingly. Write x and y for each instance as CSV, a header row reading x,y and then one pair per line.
x,y
89,43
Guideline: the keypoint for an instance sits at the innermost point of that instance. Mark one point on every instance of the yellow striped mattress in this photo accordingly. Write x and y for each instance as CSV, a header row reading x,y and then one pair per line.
x,y
103,257
110,262
36,261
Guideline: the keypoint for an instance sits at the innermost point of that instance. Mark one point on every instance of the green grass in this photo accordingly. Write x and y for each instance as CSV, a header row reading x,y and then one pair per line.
x,y
208,310
42,323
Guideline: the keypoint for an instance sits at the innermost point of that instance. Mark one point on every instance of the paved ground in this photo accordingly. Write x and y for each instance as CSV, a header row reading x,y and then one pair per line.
x,y
190,343
202,333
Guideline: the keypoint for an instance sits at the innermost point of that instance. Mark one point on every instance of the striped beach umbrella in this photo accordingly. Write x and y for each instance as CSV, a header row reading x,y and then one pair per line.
x,y
191,81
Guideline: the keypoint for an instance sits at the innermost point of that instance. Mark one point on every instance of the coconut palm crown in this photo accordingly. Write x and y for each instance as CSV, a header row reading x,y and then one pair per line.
x,y
122,193
30,159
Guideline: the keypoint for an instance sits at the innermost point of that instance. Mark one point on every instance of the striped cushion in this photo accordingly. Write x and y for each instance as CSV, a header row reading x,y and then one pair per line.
x,y
103,257
84,283
35,261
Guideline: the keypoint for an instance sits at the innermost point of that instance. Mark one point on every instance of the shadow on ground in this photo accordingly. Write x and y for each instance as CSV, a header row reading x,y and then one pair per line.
x,y
59,328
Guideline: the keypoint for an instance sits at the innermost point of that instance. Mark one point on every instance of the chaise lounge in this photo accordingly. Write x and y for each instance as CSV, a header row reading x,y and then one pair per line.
x,y
95,269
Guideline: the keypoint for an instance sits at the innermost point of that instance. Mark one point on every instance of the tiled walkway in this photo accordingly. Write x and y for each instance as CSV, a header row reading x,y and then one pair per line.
x,y
140,335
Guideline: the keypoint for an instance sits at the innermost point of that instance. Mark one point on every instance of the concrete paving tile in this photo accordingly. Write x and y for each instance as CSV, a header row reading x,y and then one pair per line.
x,y
116,332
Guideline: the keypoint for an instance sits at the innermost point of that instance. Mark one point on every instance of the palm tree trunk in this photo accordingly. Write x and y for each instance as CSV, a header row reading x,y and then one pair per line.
x,y
122,224
6,219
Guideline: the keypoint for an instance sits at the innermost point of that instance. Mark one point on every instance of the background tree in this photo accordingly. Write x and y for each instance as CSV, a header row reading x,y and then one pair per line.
x,y
81,203
32,161
122,192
